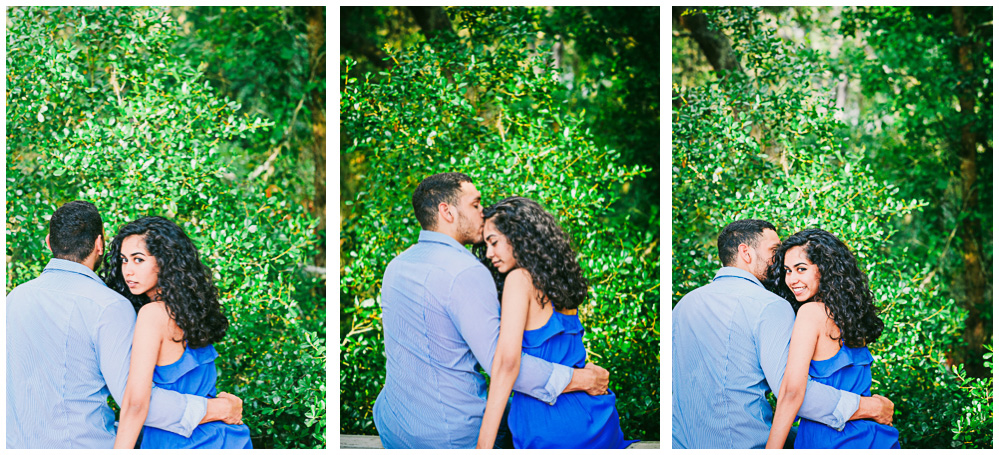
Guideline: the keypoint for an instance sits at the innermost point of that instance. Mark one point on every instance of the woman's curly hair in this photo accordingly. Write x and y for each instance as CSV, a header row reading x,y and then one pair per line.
x,y
843,287
185,284
541,247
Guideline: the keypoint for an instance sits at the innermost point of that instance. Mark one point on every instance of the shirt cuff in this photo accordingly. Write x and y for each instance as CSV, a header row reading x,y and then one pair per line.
x,y
848,404
557,382
195,410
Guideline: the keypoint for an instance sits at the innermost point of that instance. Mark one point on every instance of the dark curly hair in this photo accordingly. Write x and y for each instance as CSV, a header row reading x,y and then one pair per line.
x,y
185,284
541,247
843,287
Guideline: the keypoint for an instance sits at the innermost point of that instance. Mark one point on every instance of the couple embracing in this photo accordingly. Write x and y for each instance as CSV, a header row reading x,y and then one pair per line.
x,y
143,333
794,318
510,308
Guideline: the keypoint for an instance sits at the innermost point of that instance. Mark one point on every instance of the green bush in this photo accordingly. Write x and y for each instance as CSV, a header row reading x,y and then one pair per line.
x,y
766,144
498,115
99,109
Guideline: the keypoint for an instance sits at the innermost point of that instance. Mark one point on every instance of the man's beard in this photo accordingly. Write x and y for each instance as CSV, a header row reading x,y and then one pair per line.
x,y
469,234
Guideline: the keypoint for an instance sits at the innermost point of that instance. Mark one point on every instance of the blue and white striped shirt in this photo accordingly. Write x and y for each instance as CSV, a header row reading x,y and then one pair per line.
x,y
441,317
69,342
730,344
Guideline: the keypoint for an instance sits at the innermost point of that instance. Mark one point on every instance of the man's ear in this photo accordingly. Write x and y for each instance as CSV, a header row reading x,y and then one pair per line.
x,y
444,211
47,244
99,245
745,254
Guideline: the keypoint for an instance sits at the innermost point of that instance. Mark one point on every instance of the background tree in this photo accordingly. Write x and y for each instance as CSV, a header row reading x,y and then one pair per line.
x,y
828,124
490,100
271,60
101,107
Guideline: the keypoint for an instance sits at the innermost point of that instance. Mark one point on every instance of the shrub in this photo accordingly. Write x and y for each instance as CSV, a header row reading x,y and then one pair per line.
x,y
496,114
99,109
766,144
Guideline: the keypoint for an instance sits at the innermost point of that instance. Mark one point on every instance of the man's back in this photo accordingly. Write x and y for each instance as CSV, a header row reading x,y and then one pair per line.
x,y
56,392
719,384
433,397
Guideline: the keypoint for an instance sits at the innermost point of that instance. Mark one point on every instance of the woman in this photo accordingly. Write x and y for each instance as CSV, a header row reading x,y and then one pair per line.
x,y
154,264
836,320
540,285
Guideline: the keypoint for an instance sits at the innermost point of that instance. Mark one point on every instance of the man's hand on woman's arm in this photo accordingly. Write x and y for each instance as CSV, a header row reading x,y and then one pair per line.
x,y
877,408
591,379
225,407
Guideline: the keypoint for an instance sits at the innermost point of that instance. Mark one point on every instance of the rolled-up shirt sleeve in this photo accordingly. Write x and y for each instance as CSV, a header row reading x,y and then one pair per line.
x,y
168,410
476,312
822,403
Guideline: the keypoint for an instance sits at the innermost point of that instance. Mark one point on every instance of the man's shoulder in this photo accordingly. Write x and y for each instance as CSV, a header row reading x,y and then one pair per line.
x,y
734,291
68,285
438,257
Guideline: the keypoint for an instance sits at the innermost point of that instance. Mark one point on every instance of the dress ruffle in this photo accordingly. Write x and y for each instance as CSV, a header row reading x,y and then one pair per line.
x,y
846,356
191,359
557,324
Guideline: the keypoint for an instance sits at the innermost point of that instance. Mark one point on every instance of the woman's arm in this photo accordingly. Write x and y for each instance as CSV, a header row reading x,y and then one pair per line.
x,y
506,360
804,336
149,328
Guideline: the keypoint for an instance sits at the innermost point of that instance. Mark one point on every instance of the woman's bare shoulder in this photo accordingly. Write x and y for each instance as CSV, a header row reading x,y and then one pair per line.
x,y
812,311
153,309
519,278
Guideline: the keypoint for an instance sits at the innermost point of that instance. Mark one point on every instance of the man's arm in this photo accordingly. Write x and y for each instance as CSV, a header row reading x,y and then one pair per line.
x,y
168,410
591,379
822,403
877,408
476,313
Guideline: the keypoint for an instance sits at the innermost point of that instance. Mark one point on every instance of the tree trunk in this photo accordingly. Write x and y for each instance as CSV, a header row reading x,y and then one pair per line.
x,y
433,21
317,106
973,280
360,44
716,46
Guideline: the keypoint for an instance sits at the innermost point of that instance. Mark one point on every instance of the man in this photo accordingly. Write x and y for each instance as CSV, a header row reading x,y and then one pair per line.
x,y
441,313
730,345
69,341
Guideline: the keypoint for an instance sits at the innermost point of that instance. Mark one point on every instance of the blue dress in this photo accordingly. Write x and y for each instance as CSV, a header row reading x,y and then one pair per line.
x,y
576,420
194,373
850,370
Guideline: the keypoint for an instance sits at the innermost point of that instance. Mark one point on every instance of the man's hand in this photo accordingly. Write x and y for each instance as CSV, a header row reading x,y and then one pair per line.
x,y
591,379
225,407
877,408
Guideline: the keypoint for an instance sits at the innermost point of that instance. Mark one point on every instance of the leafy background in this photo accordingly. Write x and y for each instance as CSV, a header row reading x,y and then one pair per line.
x,y
556,104
145,111
874,123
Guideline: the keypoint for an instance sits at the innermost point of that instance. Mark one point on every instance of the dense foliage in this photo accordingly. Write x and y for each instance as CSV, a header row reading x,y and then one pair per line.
x,y
768,141
491,105
100,108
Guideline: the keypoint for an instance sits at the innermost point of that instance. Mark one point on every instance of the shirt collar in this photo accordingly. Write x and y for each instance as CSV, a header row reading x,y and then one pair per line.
x,y
71,266
737,273
437,237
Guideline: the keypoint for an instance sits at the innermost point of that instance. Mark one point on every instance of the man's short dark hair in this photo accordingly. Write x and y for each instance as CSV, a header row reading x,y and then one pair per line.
x,y
73,229
737,233
432,191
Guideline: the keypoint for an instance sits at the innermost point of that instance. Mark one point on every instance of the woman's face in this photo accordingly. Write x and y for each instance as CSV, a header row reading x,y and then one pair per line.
x,y
138,267
800,275
498,248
